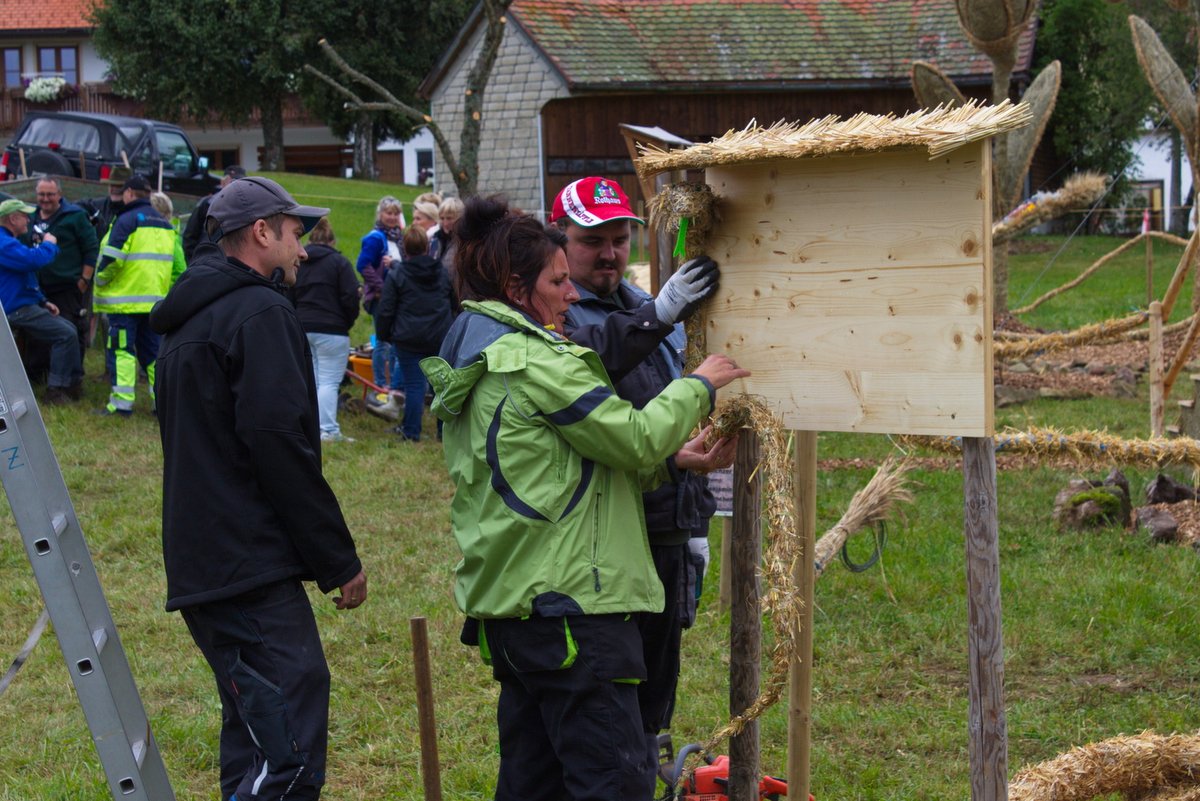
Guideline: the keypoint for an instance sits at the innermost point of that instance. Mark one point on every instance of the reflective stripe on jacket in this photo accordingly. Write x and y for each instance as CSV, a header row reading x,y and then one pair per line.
x,y
140,258
549,465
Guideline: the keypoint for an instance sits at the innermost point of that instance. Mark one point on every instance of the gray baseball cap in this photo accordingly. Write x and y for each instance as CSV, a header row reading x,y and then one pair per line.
x,y
256,198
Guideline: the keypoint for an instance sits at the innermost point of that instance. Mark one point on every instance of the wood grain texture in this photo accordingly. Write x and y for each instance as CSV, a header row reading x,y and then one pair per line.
x,y
987,723
745,614
856,289
804,464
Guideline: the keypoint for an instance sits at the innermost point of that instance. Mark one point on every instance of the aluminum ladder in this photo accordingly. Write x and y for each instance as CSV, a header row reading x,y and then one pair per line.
x,y
71,591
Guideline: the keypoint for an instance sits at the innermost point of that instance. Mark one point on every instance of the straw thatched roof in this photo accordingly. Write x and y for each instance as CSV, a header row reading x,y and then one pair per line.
x,y
939,130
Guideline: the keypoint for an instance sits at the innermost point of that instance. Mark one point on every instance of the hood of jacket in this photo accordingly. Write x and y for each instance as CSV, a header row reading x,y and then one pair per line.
x,y
210,275
460,364
423,270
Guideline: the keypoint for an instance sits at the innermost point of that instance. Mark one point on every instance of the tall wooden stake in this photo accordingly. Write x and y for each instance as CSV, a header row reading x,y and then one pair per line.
x,y
804,465
724,592
745,617
1156,370
1149,269
431,776
988,729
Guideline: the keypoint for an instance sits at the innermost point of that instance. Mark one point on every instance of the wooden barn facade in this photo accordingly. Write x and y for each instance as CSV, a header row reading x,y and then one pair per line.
x,y
569,72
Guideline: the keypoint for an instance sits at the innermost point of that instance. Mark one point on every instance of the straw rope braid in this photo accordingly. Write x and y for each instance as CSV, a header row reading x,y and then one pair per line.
x,y
1145,766
1093,334
1105,259
939,130
1083,447
1079,191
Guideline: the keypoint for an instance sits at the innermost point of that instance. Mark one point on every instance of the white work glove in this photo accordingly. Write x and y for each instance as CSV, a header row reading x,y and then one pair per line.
x,y
684,290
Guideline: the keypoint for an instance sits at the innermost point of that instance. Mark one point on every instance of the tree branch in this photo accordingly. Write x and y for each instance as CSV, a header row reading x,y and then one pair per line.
x,y
389,103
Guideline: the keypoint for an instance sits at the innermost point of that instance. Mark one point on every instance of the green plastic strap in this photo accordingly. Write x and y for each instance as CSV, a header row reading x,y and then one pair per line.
x,y
572,648
680,241
485,653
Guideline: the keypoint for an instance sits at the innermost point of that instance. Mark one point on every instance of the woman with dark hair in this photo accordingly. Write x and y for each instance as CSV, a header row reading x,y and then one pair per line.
x,y
549,466
326,299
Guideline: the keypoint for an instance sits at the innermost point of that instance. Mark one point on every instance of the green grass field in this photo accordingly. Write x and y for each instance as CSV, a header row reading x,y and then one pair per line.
x,y
1100,637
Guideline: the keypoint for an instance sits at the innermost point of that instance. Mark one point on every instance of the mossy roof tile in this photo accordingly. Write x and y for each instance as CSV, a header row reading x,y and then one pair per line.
x,y
597,43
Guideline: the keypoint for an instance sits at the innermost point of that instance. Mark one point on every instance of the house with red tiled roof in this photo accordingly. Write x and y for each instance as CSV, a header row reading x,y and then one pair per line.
x,y
54,38
570,71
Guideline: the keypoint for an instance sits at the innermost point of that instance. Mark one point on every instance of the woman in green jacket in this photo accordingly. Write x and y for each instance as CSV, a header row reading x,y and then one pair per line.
x,y
549,465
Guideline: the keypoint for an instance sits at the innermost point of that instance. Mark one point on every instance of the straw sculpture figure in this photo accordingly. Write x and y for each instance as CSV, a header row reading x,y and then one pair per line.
x,y
1079,191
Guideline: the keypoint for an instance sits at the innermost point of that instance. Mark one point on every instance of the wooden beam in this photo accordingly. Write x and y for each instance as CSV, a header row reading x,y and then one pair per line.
x,y
988,729
1157,411
745,617
427,725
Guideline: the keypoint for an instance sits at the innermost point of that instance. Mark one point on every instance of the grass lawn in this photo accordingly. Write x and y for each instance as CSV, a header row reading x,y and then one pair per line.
x,y
1100,637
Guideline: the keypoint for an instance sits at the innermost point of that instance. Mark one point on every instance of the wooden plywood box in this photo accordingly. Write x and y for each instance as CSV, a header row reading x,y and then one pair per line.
x,y
857,288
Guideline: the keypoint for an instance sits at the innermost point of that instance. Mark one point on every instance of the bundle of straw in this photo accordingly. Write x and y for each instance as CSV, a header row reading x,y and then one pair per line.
x,y
1130,765
1078,191
939,131
870,505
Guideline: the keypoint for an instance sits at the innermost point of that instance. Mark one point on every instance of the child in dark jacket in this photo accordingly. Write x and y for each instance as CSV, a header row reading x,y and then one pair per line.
x,y
415,312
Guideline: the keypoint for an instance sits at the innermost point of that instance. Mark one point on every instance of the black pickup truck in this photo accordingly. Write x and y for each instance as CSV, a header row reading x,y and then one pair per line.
x,y
83,145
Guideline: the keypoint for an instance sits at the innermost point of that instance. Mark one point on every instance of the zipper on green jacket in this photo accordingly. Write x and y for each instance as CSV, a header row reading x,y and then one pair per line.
x,y
596,540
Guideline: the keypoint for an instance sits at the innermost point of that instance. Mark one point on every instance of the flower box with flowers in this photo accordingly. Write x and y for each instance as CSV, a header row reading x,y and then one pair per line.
x,y
47,90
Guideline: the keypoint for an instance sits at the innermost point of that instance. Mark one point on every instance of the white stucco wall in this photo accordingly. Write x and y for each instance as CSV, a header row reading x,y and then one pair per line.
x,y
1154,154
510,157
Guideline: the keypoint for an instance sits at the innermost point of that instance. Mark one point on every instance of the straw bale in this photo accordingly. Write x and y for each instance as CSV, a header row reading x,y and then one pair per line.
x,y
939,131
1128,764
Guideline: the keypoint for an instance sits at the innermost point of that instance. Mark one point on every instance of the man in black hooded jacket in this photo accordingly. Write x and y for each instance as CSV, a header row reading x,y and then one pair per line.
x,y
247,514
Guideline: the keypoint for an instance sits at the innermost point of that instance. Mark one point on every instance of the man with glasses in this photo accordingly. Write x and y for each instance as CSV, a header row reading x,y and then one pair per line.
x,y
66,282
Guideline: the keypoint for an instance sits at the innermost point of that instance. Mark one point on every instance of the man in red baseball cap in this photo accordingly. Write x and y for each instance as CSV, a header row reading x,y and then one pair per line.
x,y
641,342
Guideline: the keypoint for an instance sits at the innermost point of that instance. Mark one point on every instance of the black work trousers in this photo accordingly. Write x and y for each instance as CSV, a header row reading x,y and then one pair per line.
x,y
72,307
273,680
568,713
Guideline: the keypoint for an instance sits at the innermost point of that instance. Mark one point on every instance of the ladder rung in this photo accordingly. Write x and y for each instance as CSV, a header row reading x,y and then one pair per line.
x,y
100,639
1187,404
139,752
59,521
19,408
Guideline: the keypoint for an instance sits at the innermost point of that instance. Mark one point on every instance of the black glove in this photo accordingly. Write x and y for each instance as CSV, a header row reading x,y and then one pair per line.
x,y
694,281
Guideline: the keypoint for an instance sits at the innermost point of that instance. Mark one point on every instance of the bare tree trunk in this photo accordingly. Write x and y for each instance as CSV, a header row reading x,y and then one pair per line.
x,y
364,148
272,128
1176,219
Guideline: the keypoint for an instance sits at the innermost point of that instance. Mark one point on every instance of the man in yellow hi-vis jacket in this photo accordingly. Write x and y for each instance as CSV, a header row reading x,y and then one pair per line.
x,y
141,257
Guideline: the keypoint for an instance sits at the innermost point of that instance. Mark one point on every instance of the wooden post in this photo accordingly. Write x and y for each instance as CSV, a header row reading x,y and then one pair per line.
x,y
21,153
427,726
988,730
1156,369
745,618
804,467
1149,270
725,592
